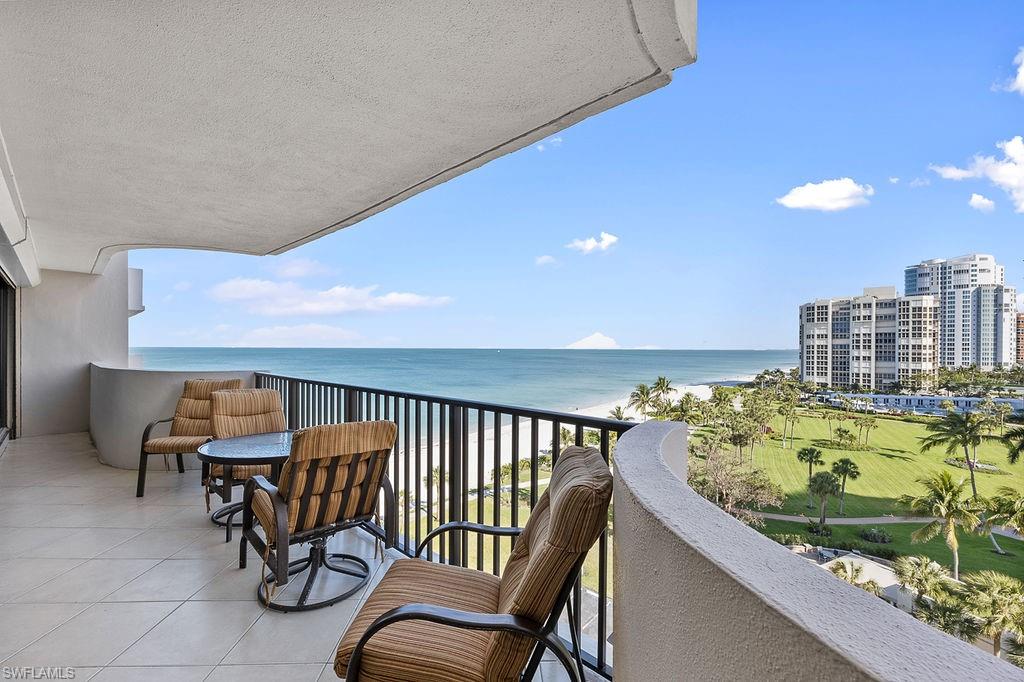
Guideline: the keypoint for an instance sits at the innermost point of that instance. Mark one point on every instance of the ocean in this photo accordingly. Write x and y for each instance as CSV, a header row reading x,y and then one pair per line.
x,y
548,379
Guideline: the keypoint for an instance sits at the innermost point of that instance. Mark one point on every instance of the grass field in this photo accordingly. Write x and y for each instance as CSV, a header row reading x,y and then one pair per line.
x,y
975,551
888,469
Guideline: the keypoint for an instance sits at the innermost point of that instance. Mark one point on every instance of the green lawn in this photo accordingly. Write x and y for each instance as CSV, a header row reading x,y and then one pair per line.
x,y
975,551
888,469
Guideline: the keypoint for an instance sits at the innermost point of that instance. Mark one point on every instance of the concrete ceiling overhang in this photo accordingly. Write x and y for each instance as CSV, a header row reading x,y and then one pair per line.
x,y
257,127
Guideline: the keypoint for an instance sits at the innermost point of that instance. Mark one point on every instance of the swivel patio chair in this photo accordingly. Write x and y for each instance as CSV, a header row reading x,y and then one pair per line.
x,y
241,412
435,622
190,426
330,482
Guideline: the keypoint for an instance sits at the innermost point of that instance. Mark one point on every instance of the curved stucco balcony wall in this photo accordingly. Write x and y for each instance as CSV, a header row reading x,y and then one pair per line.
x,y
123,401
700,596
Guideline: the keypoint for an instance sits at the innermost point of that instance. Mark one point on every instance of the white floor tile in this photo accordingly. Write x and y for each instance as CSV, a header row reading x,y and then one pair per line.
x,y
88,582
266,673
22,624
154,674
170,580
24,574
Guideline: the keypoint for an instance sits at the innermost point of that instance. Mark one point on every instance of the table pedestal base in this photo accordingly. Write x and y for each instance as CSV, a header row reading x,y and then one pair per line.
x,y
225,516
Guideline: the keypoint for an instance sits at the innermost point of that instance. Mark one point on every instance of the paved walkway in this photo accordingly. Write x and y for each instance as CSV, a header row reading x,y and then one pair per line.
x,y
871,521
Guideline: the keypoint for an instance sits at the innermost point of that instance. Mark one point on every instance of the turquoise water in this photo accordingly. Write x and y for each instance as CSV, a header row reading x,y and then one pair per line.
x,y
550,379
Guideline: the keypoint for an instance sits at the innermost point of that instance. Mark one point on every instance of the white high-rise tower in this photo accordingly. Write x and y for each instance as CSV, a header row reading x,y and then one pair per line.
x,y
977,311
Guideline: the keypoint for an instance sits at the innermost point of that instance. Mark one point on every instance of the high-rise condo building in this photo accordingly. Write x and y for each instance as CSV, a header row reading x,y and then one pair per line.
x,y
869,341
1020,339
978,312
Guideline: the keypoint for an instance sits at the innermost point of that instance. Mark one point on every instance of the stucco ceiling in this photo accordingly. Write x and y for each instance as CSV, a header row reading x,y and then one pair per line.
x,y
255,127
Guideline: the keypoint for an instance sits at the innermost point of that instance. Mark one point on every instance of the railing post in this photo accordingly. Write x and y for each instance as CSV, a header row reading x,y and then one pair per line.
x,y
293,404
455,473
351,405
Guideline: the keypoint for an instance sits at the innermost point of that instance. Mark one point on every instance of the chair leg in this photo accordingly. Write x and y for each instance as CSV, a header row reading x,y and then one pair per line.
x,y
140,487
575,635
243,548
181,463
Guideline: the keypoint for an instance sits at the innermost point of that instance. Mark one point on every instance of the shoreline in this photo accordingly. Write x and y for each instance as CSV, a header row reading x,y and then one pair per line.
x,y
701,391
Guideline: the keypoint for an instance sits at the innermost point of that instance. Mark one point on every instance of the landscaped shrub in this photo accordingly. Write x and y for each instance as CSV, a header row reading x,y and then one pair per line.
x,y
821,530
873,550
788,538
982,467
879,535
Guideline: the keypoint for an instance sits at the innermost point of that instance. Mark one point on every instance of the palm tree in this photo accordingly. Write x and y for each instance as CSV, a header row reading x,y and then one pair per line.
x,y
618,413
943,500
998,600
947,610
845,468
641,399
823,485
849,572
812,458
1006,508
827,416
1014,441
954,432
921,574
1002,411
686,406
948,405
868,424
661,388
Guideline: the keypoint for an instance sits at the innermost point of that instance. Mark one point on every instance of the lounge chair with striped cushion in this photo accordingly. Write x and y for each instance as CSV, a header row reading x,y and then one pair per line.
x,y
331,482
435,622
241,412
190,426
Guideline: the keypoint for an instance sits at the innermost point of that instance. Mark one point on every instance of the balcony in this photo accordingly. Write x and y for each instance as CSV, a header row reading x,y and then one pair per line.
x,y
109,583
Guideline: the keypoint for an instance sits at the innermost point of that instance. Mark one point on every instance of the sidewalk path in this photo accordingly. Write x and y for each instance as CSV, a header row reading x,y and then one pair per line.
x,y
872,520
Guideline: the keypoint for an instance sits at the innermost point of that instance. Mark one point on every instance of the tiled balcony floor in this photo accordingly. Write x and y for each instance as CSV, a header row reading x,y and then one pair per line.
x,y
121,588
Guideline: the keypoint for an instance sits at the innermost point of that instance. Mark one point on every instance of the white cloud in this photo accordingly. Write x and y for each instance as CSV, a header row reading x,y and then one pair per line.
x,y
1016,84
1006,173
920,182
182,286
602,242
893,180
551,142
300,336
544,260
596,341
981,203
827,195
288,298
293,268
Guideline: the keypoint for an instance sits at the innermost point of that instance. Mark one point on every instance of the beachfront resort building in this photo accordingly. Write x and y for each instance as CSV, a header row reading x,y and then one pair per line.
x,y
978,312
869,341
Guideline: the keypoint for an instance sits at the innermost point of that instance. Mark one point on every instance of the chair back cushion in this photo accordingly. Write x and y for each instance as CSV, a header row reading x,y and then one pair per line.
x,y
192,414
334,472
246,412
566,522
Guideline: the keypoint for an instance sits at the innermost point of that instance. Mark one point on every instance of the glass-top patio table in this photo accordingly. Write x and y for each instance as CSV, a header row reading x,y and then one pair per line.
x,y
263,448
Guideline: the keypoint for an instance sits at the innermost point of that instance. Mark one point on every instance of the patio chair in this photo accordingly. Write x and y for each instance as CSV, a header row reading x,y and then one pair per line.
x,y
330,483
241,412
431,622
190,426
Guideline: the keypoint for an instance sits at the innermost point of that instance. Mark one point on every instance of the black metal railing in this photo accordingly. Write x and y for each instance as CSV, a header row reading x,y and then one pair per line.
x,y
451,455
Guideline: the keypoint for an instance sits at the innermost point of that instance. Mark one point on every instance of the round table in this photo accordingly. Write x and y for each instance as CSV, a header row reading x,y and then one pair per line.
x,y
263,448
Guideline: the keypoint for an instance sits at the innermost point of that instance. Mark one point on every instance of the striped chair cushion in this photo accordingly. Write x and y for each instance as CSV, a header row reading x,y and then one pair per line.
x,y
566,522
417,650
334,466
168,445
242,471
246,411
192,414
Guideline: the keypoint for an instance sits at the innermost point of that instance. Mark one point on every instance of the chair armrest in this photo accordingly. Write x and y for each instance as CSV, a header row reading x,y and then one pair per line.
x,y
149,428
468,526
503,622
280,506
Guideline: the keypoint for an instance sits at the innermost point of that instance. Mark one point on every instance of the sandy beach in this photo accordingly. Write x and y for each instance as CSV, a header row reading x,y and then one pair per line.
x,y
503,454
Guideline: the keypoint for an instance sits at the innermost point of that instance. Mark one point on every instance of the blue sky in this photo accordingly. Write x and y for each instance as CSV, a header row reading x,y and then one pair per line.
x,y
685,183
